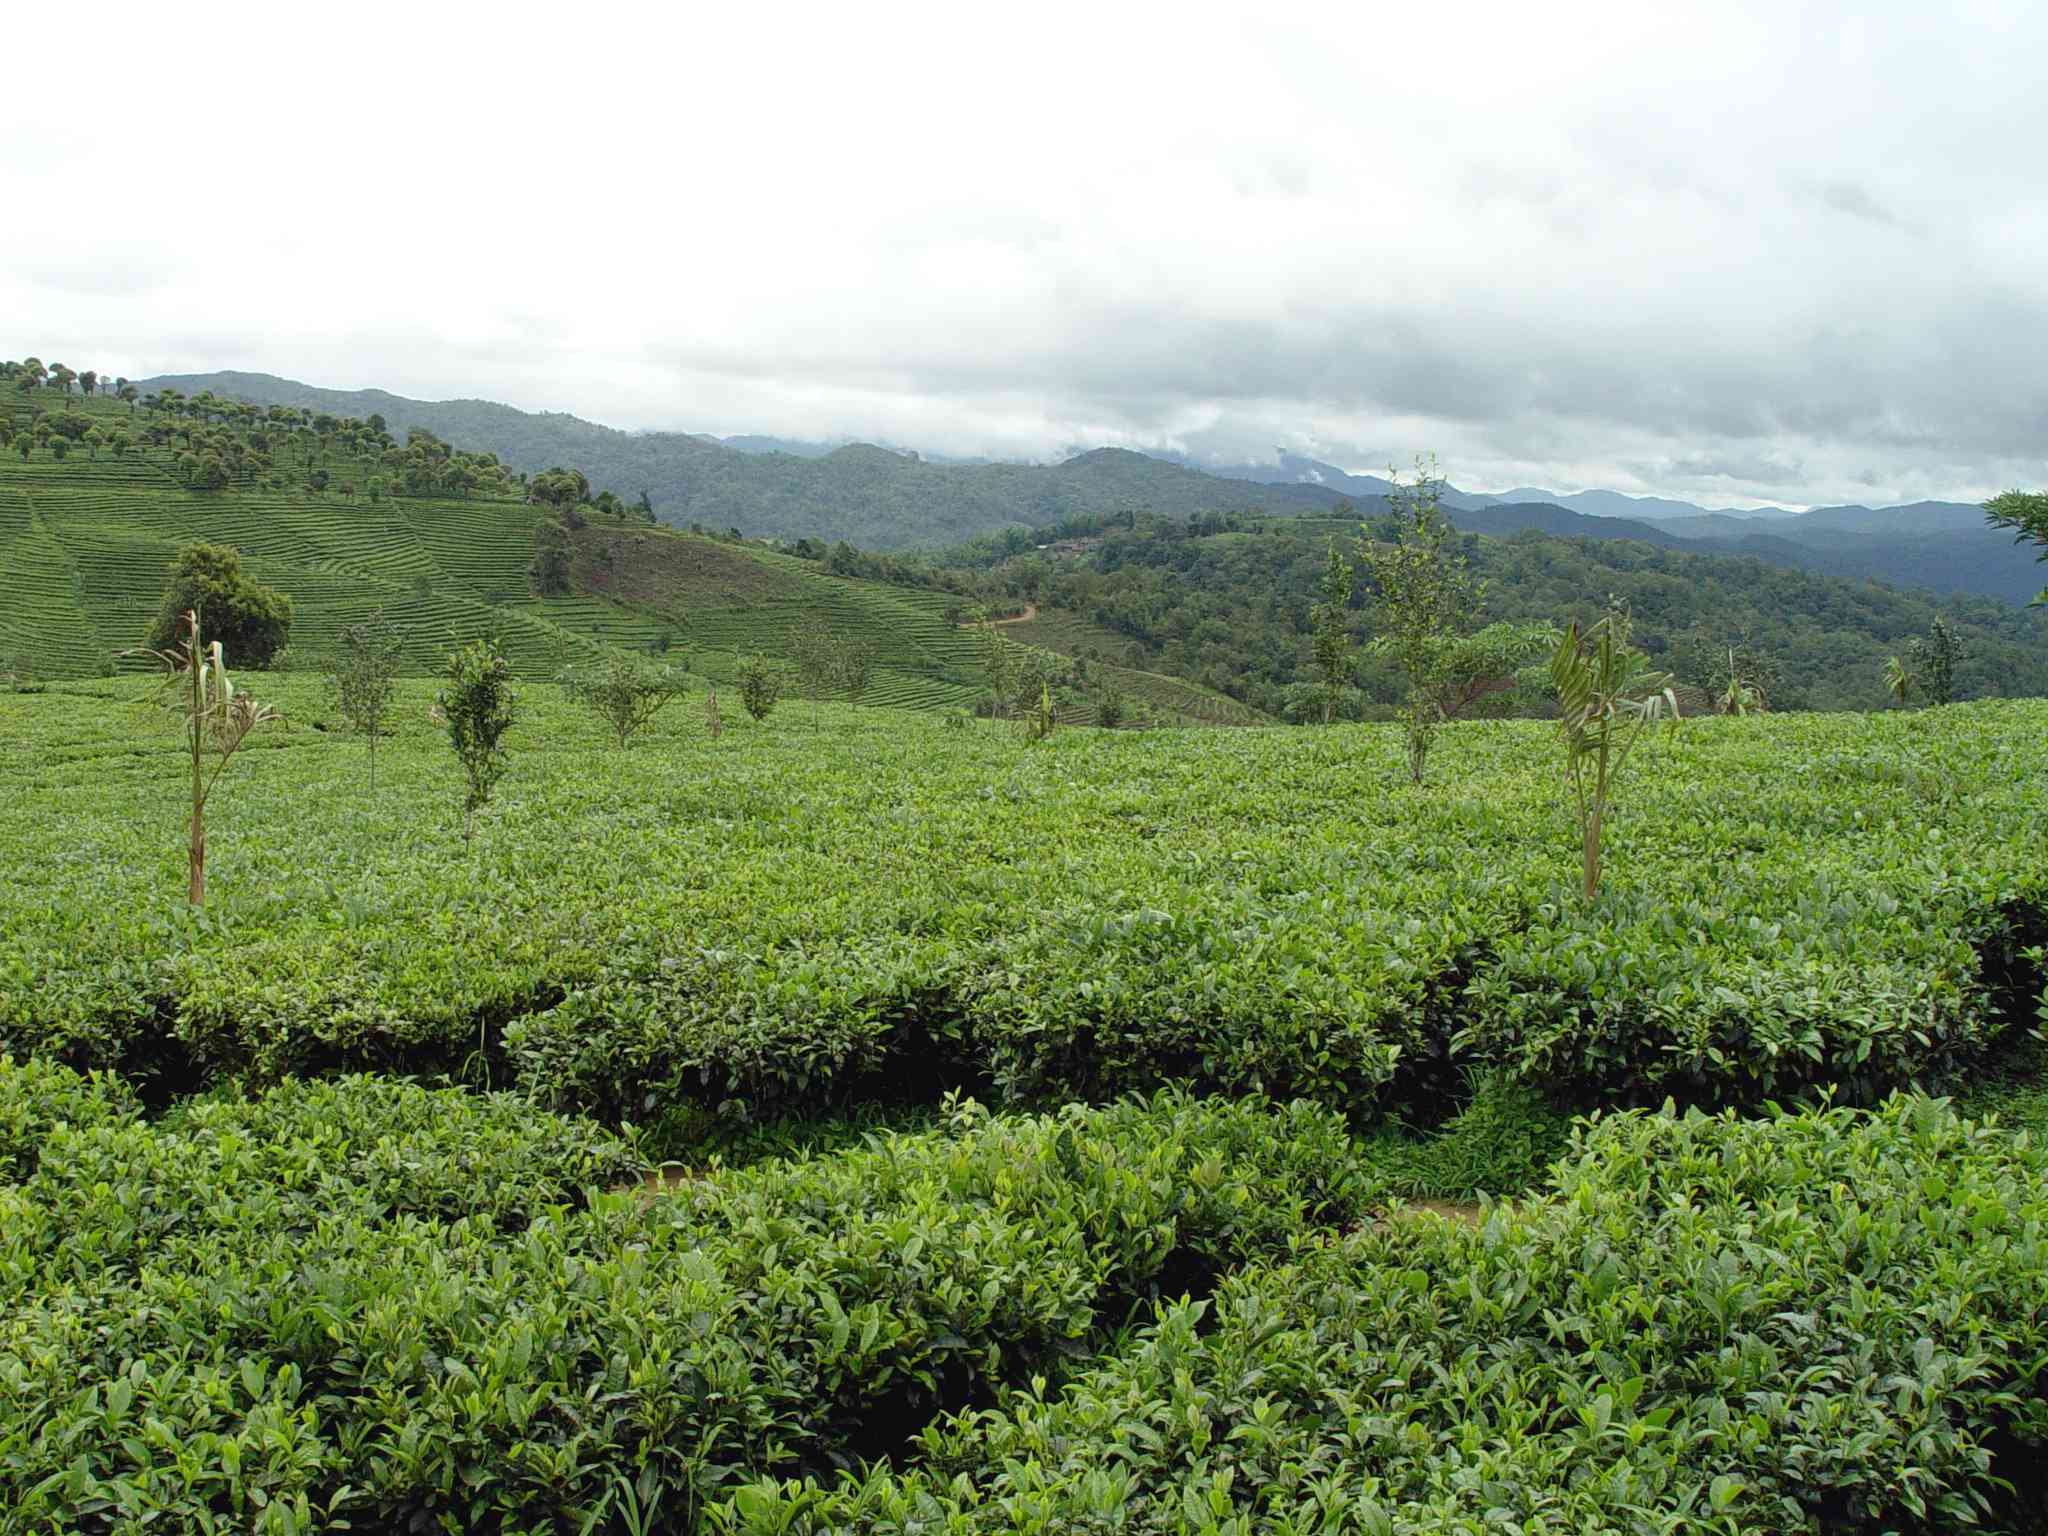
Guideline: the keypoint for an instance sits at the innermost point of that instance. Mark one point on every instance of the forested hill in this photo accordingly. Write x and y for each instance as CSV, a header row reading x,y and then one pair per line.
x,y
871,497
1226,602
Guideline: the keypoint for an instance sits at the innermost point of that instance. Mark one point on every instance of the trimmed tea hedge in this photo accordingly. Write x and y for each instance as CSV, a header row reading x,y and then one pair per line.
x,y
1814,1322
209,1329
798,915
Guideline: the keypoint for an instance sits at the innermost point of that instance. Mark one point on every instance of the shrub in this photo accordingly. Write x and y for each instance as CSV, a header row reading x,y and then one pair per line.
x,y
402,1362
1811,1322
478,706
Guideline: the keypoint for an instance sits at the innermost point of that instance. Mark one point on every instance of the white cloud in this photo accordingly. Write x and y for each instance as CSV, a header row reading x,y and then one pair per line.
x,y
1771,252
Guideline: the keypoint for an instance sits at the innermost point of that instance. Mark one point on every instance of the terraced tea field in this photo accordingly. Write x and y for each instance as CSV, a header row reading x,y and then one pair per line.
x,y
88,540
355,1220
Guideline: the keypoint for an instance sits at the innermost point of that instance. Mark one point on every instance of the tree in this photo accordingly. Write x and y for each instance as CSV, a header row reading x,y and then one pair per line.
x,y
852,665
61,377
760,686
814,647
1423,599
2026,513
127,392
552,559
88,381
1109,709
1000,665
624,694
1900,680
250,621
478,705
1735,694
1607,696
364,675
1330,627
215,719
1934,660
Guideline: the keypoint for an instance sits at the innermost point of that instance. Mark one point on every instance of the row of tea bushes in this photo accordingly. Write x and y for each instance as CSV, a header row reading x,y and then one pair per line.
x,y
1821,1322
780,922
310,1308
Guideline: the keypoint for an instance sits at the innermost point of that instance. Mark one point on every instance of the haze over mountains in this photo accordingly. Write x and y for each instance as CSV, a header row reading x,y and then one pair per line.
x,y
888,499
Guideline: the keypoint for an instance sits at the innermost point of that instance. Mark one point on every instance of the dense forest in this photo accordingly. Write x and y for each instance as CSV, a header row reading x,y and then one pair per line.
x,y
1225,601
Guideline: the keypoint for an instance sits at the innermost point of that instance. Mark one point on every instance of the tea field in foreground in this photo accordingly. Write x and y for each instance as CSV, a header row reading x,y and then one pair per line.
x,y
1040,1118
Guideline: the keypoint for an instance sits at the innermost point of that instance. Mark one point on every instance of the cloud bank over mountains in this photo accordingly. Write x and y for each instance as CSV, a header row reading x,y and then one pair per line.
x,y
1725,253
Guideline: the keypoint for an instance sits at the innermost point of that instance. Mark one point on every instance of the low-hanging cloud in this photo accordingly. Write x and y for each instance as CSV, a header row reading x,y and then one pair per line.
x,y
1731,253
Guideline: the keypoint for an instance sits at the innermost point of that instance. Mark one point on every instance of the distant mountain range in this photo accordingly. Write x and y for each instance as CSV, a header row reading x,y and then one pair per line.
x,y
888,498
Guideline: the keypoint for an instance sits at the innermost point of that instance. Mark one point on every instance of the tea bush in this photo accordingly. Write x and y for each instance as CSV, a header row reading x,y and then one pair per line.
x,y
208,1328
1813,1322
784,923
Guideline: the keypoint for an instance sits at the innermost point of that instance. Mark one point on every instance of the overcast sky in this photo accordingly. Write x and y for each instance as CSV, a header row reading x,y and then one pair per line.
x,y
1792,253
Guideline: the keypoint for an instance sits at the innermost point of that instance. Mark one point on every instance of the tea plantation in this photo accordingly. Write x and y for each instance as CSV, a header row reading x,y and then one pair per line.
x,y
860,1122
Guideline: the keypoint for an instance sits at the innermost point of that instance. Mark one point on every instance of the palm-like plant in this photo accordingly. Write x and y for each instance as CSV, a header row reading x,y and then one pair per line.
x,y
1899,679
215,719
1607,698
1741,696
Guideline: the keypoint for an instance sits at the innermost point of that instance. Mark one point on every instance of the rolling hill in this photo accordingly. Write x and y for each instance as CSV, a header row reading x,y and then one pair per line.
x,y
891,499
86,540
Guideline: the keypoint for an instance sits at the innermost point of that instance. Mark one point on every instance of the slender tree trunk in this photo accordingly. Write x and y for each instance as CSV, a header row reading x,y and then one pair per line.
x,y
1592,880
195,890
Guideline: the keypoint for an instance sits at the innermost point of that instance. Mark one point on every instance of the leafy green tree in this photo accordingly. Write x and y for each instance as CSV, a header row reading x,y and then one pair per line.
x,y
1109,709
88,381
215,719
1935,659
60,448
1607,696
1423,598
553,559
61,377
365,674
479,706
1330,629
624,694
250,621
814,647
2026,514
760,686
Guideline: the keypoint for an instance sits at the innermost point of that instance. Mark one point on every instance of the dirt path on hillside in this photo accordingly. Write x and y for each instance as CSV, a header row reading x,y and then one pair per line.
x,y
1030,612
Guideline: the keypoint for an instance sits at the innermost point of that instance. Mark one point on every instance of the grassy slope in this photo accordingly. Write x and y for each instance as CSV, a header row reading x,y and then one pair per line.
x,y
86,542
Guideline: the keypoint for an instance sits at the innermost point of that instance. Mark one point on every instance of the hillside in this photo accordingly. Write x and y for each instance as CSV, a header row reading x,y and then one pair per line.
x,y
885,499
1226,604
868,496
87,538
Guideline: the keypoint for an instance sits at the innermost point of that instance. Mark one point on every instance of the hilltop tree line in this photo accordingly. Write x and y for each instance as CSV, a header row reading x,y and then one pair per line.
x,y
1234,601
213,444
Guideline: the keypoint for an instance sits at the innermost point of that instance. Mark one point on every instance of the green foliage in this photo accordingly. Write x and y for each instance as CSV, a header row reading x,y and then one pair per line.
x,y
1934,662
1330,627
890,906
1690,1335
38,1099
1901,681
1422,598
626,695
1109,708
250,622
760,683
2026,514
1607,696
442,1279
214,719
365,673
478,705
